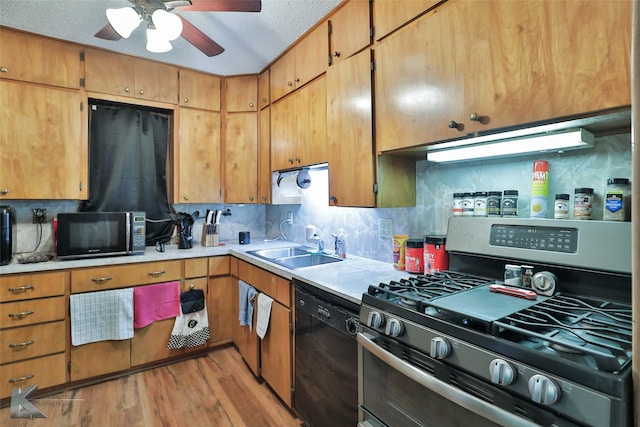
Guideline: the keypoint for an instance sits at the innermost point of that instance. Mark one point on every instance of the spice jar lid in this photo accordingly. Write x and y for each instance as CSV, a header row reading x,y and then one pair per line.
x,y
495,193
480,193
467,194
435,240
510,192
584,190
622,181
562,197
415,243
456,195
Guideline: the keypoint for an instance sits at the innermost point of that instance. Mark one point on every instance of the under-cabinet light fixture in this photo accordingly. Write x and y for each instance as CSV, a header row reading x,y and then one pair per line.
x,y
511,143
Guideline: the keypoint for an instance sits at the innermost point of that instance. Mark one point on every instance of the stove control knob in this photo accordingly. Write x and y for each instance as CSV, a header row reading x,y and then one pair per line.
x,y
375,319
501,372
440,348
394,328
543,390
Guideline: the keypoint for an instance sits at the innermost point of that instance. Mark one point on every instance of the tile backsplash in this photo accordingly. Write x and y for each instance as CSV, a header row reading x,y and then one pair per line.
x,y
436,183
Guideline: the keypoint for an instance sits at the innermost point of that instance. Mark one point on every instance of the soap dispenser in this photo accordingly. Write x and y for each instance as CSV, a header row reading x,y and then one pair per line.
x,y
340,244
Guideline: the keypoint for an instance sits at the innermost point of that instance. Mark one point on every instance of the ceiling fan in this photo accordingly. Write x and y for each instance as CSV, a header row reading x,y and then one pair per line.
x,y
163,26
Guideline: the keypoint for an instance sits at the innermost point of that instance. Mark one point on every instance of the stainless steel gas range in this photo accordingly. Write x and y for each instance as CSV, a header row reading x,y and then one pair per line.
x,y
448,350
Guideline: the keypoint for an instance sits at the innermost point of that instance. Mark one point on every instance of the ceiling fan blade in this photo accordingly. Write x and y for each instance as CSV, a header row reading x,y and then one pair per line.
x,y
108,33
199,39
223,6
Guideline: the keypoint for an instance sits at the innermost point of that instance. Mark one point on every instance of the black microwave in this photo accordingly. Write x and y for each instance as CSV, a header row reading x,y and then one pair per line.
x,y
97,234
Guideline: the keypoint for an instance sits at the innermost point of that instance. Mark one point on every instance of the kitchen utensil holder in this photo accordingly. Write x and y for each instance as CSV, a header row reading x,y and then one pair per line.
x,y
209,238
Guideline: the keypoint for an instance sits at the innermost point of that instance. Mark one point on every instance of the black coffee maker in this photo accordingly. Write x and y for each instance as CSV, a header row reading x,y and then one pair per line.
x,y
185,228
7,234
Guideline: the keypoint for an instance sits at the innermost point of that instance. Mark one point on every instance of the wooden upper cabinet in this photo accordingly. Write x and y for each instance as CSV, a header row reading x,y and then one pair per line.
x,y
197,177
540,60
43,142
39,59
264,156
350,29
241,158
419,89
264,95
389,15
241,93
199,90
115,74
303,63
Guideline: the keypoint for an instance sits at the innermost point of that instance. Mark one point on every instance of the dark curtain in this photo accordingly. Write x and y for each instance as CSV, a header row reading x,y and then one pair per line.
x,y
127,165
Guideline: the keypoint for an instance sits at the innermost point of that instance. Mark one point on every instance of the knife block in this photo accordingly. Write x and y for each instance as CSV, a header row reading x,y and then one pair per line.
x,y
209,238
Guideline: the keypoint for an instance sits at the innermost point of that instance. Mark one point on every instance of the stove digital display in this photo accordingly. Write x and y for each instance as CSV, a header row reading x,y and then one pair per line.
x,y
553,239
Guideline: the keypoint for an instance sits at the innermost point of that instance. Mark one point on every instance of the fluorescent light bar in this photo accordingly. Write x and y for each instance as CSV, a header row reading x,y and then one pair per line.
x,y
492,146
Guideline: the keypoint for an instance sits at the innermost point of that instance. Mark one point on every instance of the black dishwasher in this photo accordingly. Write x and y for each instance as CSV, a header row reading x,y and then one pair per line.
x,y
326,358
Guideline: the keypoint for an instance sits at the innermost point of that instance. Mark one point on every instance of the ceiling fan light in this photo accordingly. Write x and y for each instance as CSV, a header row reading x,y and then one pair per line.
x,y
124,20
167,23
156,42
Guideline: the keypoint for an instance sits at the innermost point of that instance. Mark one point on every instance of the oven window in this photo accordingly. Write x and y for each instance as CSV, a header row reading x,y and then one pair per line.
x,y
396,400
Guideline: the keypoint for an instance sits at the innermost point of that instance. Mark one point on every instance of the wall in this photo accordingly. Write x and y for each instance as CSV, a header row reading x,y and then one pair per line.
x,y
436,183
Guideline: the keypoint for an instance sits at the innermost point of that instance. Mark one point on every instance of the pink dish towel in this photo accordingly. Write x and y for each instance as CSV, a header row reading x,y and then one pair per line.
x,y
155,302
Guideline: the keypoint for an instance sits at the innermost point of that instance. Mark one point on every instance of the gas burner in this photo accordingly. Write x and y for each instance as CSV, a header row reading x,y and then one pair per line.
x,y
406,302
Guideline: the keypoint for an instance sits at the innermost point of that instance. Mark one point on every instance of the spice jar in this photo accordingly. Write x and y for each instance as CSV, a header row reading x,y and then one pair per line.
x,y
457,203
480,203
510,203
561,206
616,200
582,203
414,256
467,204
436,258
494,200
512,275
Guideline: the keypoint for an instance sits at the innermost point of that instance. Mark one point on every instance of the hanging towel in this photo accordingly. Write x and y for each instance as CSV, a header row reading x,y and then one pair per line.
x,y
247,295
101,316
155,302
264,314
190,330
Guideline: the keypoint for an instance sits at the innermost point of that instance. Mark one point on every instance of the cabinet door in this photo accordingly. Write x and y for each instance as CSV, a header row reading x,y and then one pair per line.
x,y
99,358
199,90
310,119
263,89
44,372
283,76
283,133
264,157
241,158
108,72
43,144
221,309
350,132
418,88
311,55
149,344
246,340
155,81
39,60
276,352
197,157
350,29
389,15
242,93
540,60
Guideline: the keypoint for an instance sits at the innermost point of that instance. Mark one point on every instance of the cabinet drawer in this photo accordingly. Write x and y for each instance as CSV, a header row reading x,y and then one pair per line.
x,y
27,286
122,276
196,267
32,341
219,266
44,372
30,312
273,285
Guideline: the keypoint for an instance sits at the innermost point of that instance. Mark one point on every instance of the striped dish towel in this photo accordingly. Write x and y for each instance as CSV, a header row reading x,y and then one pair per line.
x,y
101,316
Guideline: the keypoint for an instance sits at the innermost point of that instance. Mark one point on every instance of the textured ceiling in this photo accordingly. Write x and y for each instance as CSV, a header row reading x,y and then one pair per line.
x,y
251,40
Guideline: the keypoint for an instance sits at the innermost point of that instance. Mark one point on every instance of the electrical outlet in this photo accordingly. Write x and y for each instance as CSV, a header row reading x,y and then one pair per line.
x,y
385,227
290,217
39,215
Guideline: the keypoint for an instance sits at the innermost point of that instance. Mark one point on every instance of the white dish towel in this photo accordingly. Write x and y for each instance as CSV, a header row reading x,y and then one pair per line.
x,y
264,314
101,316
190,330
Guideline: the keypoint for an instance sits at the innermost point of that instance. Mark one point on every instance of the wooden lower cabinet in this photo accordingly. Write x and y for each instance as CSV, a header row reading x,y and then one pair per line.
x,y
99,358
149,344
275,352
44,372
221,309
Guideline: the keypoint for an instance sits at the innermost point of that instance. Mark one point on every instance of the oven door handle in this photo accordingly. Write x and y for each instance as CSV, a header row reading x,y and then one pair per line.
x,y
467,401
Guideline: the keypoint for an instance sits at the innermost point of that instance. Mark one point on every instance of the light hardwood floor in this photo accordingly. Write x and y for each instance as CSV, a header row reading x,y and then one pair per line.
x,y
213,390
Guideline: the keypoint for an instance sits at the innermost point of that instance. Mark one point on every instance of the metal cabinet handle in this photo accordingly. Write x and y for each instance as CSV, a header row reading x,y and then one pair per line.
x,y
186,197
4,70
251,105
264,99
4,191
101,280
20,288
336,54
333,199
127,89
289,84
453,124
20,379
186,100
290,160
156,273
21,314
251,198
475,117
297,80
298,160
21,344
141,91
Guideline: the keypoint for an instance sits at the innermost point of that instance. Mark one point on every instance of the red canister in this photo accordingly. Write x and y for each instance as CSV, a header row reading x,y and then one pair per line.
x,y
414,256
436,257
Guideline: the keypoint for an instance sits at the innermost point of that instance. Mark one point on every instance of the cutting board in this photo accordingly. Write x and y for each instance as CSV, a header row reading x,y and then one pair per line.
x,y
482,304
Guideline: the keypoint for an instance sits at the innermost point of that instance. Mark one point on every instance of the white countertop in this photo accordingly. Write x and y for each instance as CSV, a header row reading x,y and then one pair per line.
x,y
348,279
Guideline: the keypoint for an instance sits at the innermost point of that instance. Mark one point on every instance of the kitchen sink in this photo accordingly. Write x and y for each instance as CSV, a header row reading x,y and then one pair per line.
x,y
294,258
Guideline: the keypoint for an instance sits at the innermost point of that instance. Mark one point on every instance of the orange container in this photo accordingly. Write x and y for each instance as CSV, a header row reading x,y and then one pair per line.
x,y
399,241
